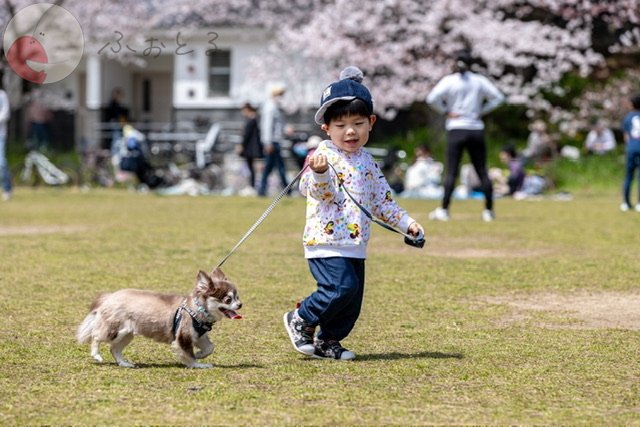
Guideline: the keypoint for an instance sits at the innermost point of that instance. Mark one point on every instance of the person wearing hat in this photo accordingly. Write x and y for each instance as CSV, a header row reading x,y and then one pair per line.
x,y
272,133
464,97
336,231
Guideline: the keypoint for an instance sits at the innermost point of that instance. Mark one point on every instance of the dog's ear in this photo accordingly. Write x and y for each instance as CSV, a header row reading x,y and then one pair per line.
x,y
203,282
217,274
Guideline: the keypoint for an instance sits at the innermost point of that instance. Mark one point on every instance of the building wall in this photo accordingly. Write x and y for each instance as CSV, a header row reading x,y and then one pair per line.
x,y
191,84
179,81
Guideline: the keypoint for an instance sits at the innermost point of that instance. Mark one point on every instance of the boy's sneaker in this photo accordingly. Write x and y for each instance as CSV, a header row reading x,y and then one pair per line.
x,y
637,208
439,214
300,332
624,207
488,215
332,350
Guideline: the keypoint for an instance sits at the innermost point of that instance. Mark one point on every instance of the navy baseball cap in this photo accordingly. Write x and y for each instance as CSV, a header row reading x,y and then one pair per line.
x,y
346,89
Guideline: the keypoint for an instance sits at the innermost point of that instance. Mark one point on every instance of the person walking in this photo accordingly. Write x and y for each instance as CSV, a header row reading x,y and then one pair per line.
x,y
271,133
336,232
251,144
464,97
631,129
5,174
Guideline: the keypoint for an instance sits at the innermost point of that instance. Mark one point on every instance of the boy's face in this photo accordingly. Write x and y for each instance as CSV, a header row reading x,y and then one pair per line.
x,y
349,133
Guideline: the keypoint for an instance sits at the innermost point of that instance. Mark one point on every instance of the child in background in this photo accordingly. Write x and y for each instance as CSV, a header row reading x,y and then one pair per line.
x,y
336,231
516,177
631,129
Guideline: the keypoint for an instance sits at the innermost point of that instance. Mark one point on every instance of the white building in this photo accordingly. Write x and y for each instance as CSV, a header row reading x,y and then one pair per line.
x,y
172,79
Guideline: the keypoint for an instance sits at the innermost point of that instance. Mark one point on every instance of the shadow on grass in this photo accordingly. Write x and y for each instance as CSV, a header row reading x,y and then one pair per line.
x,y
178,365
399,356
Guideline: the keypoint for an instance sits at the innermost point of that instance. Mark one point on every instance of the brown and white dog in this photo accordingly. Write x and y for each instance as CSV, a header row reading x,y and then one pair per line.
x,y
182,321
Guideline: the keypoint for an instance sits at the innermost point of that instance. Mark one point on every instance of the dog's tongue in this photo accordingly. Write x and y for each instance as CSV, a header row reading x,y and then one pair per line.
x,y
232,314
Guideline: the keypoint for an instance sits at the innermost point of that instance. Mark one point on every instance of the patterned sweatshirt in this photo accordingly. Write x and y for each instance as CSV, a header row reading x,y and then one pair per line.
x,y
335,225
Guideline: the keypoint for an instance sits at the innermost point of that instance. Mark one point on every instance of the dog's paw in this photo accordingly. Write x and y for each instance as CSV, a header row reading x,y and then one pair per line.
x,y
202,354
196,365
126,364
98,358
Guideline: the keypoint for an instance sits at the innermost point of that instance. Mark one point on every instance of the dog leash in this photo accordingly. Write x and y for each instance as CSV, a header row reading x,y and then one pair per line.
x,y
264,215
417,242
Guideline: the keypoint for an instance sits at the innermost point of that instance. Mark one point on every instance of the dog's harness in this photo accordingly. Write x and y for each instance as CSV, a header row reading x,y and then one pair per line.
x,y
201,328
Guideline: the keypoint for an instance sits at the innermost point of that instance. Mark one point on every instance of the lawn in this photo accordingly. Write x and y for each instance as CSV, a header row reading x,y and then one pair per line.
x,y
531,319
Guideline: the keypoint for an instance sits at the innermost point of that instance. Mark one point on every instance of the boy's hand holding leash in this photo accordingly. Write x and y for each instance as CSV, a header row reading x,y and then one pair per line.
x,y
319,163
417,232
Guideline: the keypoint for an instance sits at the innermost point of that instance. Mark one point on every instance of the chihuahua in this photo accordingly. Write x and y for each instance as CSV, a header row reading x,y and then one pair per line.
x,y
182,321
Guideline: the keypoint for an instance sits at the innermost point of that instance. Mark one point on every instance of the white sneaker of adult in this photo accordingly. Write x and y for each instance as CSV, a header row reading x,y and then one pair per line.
x,y
637,208
439,214
624,207
488,215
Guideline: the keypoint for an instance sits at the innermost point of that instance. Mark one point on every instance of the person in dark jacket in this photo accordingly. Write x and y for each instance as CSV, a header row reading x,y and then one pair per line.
x,y
251,144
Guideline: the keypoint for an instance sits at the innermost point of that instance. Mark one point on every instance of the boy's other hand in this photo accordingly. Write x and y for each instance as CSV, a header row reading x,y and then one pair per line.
x,y
319,163
415,229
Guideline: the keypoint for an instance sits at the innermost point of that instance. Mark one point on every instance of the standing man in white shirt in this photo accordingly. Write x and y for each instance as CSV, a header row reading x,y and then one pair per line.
x,y
464,97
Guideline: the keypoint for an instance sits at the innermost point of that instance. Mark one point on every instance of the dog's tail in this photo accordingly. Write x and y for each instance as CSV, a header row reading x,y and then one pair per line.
x,y
85,330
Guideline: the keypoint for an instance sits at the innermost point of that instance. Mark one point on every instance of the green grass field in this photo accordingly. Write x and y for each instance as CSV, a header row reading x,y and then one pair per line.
x,y
532,319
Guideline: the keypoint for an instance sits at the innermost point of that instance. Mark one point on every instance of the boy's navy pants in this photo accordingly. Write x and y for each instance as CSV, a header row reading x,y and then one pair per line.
x,y
335,305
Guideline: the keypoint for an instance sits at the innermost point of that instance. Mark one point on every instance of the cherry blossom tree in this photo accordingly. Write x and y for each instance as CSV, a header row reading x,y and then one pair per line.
x,y
403,46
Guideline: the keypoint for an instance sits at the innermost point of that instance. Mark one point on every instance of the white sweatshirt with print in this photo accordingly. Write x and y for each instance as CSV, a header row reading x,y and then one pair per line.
x,y
335,225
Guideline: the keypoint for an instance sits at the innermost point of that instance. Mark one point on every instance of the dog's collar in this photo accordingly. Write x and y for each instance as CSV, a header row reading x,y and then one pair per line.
x,y
200,327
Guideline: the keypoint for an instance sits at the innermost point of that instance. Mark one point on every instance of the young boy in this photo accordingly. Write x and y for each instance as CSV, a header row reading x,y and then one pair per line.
x,y
336,231
631,129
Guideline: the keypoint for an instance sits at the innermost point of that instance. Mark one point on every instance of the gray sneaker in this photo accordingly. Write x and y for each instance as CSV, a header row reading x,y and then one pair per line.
x,y
332,349
300,332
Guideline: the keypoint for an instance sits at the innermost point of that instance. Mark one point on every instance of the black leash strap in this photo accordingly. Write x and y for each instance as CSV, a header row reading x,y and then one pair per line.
x,y
408,239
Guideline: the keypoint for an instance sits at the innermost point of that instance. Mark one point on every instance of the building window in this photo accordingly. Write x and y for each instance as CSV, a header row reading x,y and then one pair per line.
x,y
219,73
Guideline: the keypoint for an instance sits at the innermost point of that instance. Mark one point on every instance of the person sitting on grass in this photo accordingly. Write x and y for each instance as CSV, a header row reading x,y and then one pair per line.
x,y
600,139
515,180
336,231
424,177
520,184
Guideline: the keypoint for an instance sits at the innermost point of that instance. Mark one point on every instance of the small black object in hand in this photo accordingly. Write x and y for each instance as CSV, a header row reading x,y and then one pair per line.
x,y
418,243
